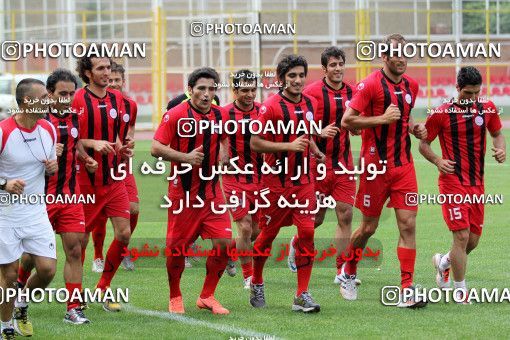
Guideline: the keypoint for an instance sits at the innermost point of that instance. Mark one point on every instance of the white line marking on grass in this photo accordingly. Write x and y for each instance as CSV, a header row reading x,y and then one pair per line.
x,y
196,322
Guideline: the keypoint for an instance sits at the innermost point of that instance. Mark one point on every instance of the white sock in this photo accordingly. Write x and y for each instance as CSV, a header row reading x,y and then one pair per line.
x,y
445,262
6,324
460,284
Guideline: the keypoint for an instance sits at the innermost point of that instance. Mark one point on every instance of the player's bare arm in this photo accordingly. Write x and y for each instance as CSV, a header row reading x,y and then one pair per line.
x,y
194,157
90,163
259,144
352,120
444,166
417,129
101,146
499,146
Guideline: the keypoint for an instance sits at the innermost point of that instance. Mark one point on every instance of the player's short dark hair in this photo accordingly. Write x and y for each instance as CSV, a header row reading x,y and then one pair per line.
x,y
288,62
399,38
60,74
203,72
24,87
243,76
85,64
334,52
118,68
468,75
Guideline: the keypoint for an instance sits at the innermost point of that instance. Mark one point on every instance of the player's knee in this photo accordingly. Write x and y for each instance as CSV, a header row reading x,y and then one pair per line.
x,y
74,251
47,271
368,229
461,237
123,235
9,274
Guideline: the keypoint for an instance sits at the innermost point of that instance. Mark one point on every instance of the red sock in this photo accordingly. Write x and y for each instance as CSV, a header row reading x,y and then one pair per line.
x,y
340,260
23,276
98,236
247,269
407,258
263,242
215,266
174,269
304,244
71,287
351,265
133,220
111,263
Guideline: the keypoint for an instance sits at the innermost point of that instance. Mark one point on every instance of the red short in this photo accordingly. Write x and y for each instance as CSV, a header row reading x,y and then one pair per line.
x,y
276,217
395,183
339,186
186,226
111,201
131,188
241,189
66,218
458,215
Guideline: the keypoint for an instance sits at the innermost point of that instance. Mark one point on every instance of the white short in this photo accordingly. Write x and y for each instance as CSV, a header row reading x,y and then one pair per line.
x,y
37,239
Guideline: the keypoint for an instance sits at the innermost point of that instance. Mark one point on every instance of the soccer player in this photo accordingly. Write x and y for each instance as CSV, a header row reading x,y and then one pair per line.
x,y
243,109
333,95
461,127
385,98
116,82
27,153
103,123
67,219
294,148
174,142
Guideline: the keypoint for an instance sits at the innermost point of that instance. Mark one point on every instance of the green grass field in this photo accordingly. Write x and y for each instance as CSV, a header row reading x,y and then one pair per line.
x,y
146,316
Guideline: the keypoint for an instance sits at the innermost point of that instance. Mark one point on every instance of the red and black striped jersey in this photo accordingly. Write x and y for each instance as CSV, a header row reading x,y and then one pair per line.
x,y
131,110
239,143
279,108
174,131
331,107
68,134
100,119
391,142
461,132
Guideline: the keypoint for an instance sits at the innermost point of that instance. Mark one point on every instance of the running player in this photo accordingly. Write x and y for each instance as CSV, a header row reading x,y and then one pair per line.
x,y
175,142
385,98
243,109
27,153
461,127
116,82
293,149
333,95
103,123
67,219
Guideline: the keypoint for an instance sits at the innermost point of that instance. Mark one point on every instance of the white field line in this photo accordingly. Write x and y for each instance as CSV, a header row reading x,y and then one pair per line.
x,y
228,329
